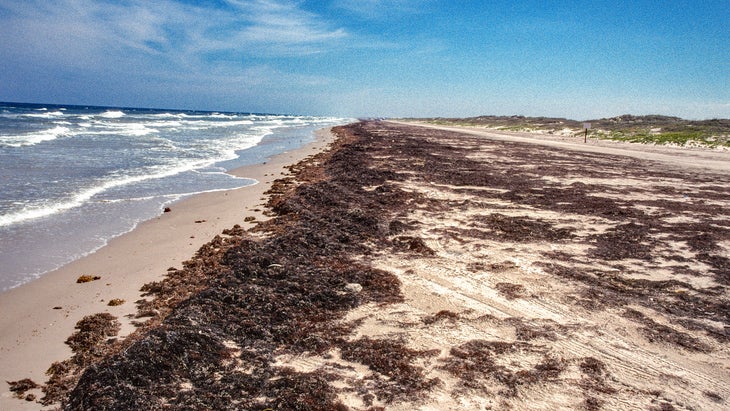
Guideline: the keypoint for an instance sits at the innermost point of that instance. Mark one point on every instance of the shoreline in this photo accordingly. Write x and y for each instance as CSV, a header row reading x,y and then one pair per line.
x,y
33,328
421,269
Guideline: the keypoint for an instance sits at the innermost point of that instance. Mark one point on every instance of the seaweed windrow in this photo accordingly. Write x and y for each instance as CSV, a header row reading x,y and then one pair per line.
x,y
89,344
284,292
218,325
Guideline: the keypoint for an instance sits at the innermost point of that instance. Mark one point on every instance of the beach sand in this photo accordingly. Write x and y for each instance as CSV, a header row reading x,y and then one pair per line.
x,y
36,318
420,268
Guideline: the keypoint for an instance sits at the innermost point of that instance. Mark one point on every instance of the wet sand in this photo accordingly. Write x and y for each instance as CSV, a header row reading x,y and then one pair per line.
x,y
421,268
36,319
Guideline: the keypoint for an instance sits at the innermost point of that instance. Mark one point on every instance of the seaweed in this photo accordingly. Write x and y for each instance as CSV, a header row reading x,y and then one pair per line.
x,y
301,391
87,278
592,403
714,396
20,387
412,244
594,378
534,329
396,378
475,364
655,332
213,330
92,330
282,292
720,266
521,229
663,406
510,291
629,240
608,289
443,315
89,344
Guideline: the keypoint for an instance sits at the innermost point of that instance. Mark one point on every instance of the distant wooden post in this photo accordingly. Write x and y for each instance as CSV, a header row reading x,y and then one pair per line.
x,y
586,126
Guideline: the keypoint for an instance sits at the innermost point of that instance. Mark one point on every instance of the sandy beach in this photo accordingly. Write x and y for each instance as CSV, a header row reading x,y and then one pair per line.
x,y
431,268
38,317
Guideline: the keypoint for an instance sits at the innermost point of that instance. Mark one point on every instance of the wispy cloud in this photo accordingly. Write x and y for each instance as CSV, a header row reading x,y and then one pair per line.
x,y
381,8
164,53
86,32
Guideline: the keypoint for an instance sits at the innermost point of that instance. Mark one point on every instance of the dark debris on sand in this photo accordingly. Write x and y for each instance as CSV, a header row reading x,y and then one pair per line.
x,y
279,293
213,331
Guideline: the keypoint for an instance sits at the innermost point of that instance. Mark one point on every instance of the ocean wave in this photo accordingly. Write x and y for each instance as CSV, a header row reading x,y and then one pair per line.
x,y
229,123
112,114
132,129
122,129
219,115
47,209
196,125
166,124
32,139
169,198
168,115
176,142
240,142
50,114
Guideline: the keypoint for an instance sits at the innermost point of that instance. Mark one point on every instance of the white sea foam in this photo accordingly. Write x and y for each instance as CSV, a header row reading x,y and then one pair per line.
x,y
33,138
212,124
123,129
47,209
112,114
50,114
219,115
226,151
122,163
168,115
134,129
166,123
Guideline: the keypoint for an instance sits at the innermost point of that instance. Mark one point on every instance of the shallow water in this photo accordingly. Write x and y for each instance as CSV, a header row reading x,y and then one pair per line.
x,y
71,178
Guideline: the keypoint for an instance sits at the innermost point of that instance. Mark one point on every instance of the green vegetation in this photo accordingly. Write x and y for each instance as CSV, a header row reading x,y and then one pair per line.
x,y
681,138
651,129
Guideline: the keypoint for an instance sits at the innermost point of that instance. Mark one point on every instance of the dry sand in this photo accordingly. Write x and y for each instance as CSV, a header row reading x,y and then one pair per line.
x,y
596,322
36,318
578,278
534,301
696,157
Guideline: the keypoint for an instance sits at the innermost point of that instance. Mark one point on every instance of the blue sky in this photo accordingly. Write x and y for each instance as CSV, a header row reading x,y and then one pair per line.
x,y
576,59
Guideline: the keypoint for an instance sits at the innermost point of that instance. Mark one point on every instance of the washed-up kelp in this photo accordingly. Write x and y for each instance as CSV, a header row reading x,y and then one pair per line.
x,y
219,327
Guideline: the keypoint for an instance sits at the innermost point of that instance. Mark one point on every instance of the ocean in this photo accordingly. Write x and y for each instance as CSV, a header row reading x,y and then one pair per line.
x,y
73,177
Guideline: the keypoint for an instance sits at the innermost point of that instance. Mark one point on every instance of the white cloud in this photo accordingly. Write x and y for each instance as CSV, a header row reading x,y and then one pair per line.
x,y
153,52
376,9
85,32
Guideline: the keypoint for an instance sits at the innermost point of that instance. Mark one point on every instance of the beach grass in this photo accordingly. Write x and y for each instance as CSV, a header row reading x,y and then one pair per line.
x,y
650,129
679,138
